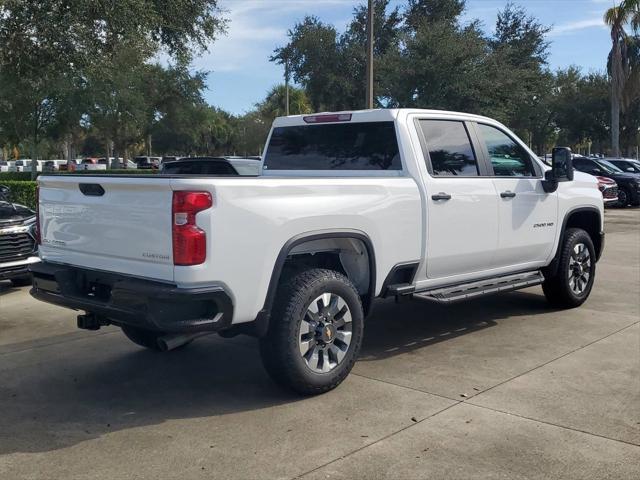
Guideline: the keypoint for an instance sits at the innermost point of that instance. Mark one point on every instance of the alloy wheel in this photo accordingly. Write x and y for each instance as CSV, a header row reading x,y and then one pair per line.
x,y
325,333
579,268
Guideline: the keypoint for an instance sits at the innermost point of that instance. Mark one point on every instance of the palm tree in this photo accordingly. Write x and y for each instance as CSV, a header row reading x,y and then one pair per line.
x,y
617,18
633,6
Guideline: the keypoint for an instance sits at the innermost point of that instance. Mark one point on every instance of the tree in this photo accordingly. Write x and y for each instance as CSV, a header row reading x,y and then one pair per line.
x,y
331,66
518,72
274,104
433,11
579,107
47,46
618,65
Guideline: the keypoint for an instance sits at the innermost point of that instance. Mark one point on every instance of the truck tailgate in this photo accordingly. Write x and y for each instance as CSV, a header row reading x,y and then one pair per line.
x,y
126,229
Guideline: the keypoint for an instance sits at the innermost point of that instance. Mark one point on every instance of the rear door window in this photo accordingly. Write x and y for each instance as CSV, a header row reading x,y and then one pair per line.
x,y
344,146
450,150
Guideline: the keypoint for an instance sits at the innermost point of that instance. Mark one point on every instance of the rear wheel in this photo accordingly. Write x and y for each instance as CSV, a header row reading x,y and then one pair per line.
x,y
315,332
571,285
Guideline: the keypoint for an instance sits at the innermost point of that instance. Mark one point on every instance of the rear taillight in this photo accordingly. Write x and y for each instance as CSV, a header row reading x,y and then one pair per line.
x,y
38,230
189,241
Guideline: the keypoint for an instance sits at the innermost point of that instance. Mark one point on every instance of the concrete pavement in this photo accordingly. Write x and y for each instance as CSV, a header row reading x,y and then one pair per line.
x,y
502,387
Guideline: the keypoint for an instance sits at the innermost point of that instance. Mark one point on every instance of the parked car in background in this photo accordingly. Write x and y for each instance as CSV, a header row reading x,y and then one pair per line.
x,y
128,165
104,161
609,189
5,166
170,159
26,164
628,183
69,166
148,163
212,166
18,246
627,165
50,166
53,165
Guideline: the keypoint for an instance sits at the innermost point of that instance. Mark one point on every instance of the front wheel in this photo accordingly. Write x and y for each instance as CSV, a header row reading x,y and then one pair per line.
x,y
623,197
315,332
571,285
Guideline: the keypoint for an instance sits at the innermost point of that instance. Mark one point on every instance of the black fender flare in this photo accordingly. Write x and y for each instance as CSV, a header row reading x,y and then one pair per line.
x,y
261,323
552,268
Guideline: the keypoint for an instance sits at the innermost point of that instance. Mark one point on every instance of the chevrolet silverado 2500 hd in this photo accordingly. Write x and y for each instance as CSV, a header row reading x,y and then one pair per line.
x,y
348,207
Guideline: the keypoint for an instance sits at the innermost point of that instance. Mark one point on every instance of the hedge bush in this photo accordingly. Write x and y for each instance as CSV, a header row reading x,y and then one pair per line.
x,y
16,176
21,192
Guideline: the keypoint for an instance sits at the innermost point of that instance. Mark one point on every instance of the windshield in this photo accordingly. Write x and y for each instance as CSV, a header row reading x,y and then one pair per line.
x,y
608,166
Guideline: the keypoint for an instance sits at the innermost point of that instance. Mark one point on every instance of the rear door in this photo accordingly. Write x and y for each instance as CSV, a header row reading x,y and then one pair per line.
x,y
118,224
528,216
461,202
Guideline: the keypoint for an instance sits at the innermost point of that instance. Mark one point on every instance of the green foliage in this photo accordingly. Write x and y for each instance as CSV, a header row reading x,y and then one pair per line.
x,y
427,57
274,104
15,176
73,65
22,192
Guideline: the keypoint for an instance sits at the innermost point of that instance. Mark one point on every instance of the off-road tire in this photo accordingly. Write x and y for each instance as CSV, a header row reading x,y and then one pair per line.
x,y
280,349
557,287
142,337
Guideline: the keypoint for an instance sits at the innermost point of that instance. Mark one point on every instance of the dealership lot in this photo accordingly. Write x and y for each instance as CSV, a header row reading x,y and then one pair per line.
x,y
508,389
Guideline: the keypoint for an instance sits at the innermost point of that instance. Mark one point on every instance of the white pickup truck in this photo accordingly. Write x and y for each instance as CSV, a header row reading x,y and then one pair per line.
x,y
349,207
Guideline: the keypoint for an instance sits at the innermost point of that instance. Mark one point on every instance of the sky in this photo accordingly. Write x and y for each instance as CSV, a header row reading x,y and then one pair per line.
x,y
240,73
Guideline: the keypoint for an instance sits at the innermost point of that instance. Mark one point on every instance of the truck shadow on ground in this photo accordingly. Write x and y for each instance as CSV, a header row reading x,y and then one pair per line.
x,y
6,287
394,329
65,394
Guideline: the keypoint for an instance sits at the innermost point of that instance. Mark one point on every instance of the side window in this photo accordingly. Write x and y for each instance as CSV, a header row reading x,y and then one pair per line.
x,y
579,164
507,157
449,148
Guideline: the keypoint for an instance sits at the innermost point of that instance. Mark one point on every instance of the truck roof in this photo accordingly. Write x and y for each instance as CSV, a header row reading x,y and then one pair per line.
x,y
374,115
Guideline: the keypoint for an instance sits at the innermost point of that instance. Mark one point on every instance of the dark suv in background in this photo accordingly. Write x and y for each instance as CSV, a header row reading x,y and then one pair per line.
x,y
628,183
18,246
628,165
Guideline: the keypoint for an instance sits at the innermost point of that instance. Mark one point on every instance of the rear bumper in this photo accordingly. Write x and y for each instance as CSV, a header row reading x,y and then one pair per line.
x,y
122,299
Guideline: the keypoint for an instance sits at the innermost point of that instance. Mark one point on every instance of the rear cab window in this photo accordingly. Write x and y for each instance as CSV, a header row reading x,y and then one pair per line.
x,y
450,149
358,146
198,167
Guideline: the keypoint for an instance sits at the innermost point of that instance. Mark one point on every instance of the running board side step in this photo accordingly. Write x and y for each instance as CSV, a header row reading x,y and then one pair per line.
x,y
465,291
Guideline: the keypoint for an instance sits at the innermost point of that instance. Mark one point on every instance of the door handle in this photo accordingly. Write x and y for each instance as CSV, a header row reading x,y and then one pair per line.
x,y
441,196
508,194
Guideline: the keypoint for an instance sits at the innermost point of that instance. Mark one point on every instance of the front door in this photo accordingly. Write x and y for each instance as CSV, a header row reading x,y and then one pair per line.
x,y
461,203
528,216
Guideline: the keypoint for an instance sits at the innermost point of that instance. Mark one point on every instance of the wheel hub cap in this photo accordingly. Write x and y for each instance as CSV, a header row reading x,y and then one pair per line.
x,y
579,269
325,333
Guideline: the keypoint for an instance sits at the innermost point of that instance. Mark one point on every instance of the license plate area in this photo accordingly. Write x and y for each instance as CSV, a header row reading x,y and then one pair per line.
x,y
46,284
